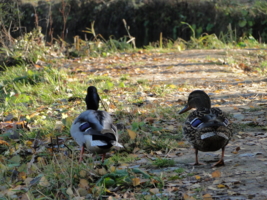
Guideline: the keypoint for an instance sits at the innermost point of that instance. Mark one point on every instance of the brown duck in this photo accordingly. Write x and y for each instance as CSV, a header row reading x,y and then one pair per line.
x,y
206,128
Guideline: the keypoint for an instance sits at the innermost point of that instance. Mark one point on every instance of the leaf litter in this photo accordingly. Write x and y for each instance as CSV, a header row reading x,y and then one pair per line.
x,y
145,108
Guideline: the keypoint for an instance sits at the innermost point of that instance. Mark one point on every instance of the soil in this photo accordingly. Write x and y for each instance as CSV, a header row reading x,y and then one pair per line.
x,y
240,93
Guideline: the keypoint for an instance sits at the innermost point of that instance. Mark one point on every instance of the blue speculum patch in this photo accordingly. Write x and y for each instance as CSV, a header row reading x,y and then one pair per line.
x,y
84,126
196,122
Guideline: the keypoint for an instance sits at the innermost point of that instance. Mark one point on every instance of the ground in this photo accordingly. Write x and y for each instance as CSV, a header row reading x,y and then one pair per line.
x,y
239,90
239,93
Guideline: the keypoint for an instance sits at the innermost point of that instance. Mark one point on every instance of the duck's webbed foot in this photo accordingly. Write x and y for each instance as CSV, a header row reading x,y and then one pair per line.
x,y
221,161
196,161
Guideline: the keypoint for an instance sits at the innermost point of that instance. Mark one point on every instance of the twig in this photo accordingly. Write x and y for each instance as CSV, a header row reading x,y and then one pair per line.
x,y
132,39
57,144
43,194
103,105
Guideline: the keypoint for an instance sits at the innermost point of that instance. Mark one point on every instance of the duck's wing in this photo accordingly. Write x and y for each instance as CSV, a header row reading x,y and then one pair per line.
x,y
97,124
206,123
106,137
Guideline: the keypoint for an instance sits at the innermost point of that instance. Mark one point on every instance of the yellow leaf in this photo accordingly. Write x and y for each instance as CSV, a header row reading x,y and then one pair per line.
x,y
216,174
172,86
181,144
22,176
112,106
221,186
207,197
187,197
101,171
112,169
64,115
197,177
136,181
83,173
44,182
83,183
28,143
4,142
132,134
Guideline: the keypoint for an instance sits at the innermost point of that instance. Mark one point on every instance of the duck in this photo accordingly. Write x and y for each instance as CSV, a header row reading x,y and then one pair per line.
x,y
206,128
93,129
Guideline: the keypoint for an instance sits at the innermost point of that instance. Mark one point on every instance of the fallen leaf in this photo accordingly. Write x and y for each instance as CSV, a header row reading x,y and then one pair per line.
x,y
24,196
44,182
154,191
4,142
197,177
187,197
221,186
136,181
216,174
83,173
181,144
112,168
69,191
101,171
22,176
172,86
207,197
132,134
83,183
150,120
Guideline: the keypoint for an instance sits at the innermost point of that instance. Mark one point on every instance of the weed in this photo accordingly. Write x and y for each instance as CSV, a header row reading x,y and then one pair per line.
x,y
124,77
122,158
163,162
142,81
179,170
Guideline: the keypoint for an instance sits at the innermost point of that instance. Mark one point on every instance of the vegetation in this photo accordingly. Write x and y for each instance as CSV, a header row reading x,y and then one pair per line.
x,y
42,89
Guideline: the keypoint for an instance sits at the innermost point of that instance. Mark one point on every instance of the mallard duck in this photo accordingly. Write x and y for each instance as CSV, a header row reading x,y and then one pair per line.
x,y
94,129
206,128
92,98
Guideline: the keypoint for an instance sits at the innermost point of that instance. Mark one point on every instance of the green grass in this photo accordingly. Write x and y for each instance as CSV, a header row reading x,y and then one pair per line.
x,y
42,97
163,162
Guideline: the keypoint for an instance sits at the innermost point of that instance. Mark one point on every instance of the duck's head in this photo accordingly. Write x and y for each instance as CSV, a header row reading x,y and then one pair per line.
x,y
91,90
92,99
197,99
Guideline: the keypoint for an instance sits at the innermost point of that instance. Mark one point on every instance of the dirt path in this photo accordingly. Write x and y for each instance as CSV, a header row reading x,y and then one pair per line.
x,y
240,94
237,92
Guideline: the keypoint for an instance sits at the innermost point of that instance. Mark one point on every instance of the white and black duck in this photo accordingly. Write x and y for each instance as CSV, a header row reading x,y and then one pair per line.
x,y
93,129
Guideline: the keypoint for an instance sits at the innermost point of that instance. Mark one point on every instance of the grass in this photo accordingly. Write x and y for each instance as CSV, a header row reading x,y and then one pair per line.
x,y
162,162
49,97
41,98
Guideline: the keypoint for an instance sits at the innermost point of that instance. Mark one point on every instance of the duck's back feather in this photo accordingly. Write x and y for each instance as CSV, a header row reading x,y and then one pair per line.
x,y
94,129
207,129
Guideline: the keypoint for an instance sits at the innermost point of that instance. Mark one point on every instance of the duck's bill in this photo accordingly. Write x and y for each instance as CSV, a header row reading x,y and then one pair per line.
x,y
186,108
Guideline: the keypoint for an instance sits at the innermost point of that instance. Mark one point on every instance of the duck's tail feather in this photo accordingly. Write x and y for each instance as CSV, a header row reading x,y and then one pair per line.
x,y
116,144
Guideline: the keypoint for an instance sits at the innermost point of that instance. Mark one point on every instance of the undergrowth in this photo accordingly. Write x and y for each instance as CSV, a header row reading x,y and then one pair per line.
x,y
41,93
